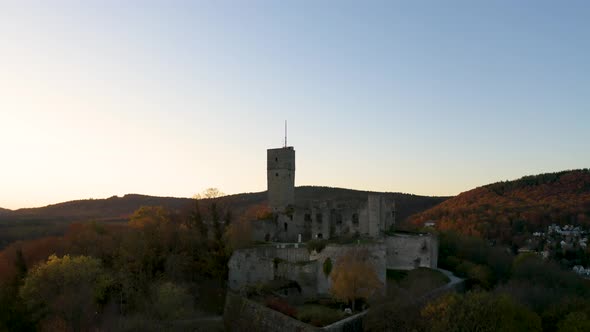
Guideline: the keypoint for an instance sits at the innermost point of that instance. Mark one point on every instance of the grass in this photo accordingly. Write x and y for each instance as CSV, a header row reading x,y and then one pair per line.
x,y
318,315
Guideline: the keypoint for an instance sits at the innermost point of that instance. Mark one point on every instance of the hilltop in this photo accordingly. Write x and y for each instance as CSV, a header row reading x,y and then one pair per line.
x,y
4,211
502,209
120,208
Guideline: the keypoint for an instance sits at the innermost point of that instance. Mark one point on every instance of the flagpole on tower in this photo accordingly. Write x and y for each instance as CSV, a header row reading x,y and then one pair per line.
x,y
285,133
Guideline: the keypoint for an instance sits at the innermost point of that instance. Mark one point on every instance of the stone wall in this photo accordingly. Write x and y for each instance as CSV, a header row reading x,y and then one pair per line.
x,y
327,220
263,230
241,314
258,265
304,273
409,251
249,266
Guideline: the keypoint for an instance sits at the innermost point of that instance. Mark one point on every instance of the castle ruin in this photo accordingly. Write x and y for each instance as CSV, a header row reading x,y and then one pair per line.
x,y
282,252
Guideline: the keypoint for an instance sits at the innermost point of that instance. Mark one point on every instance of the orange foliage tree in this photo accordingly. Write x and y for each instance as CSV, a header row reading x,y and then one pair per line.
x,y
354,277
149,215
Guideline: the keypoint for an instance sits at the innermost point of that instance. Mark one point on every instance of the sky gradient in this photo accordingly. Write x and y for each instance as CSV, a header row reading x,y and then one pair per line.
x,y
171,97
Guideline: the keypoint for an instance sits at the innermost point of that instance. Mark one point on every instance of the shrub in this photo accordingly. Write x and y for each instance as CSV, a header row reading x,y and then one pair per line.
x,y
318,315
281,306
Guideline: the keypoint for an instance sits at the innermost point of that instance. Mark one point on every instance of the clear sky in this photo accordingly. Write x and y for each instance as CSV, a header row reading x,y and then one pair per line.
x,y
102,98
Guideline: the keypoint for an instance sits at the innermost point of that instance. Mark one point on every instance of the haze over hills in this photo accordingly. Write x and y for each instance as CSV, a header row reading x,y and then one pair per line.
x,y
502,209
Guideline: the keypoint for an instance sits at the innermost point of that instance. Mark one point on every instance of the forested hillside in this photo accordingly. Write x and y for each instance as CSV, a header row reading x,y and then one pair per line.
x,y
500,210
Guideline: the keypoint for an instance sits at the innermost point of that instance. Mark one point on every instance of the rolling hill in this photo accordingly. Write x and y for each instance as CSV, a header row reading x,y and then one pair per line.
x,y
54,219
501,210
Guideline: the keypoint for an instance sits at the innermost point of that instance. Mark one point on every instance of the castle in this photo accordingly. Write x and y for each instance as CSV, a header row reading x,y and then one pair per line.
x,y
340,224
315,220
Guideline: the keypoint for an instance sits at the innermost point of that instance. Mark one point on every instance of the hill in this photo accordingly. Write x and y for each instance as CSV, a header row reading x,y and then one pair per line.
x,y
503,209
120,208
54,219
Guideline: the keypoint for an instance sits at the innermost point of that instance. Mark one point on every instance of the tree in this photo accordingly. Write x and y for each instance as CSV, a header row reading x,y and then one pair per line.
x,y
238,234
209,193
171,302
354,277
479,311
149,215
399,311
195,220
576,321
67,290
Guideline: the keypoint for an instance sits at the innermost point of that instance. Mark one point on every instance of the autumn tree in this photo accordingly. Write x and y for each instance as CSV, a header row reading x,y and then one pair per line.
x,y
238,234
149,215
479,311
576,321
195,220
171,301
209,193
354,277
398,311
66,292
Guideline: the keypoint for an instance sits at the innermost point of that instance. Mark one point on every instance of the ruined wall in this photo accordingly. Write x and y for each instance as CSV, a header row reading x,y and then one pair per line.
x,y
241,314
249,266
409,251
377,257
374,208
330,219
264,230
258,265
303,272
381,214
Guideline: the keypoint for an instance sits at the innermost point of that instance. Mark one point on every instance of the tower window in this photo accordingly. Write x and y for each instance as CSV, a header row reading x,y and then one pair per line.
x,y
307,217
286,226
355,218
277,159
276,174
318,218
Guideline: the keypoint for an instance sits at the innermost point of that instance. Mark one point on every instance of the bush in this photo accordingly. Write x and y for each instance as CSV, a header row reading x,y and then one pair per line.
x,y
281,306
318,315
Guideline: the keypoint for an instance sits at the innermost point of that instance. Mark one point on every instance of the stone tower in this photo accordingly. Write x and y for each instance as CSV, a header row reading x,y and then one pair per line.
x,y
280,175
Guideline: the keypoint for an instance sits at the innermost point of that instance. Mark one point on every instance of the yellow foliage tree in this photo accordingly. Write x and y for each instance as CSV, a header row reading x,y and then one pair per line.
x,y
354,277
149,215
66,291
